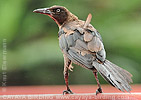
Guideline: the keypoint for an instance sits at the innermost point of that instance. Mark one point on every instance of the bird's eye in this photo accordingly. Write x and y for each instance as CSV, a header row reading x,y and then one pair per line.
x,y
58,10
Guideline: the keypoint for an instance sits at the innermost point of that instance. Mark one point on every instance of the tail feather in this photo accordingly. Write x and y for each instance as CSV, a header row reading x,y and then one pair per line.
x,y
115,75
120,74
123,72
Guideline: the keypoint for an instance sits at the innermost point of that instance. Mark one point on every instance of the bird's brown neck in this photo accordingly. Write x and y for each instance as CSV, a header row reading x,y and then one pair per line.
x,y
71,17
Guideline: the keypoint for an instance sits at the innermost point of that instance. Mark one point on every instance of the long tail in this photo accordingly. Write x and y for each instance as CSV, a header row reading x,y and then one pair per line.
x,y
115,75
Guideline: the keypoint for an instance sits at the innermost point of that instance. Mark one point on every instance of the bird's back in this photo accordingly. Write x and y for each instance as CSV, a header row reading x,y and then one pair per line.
x,y
81,45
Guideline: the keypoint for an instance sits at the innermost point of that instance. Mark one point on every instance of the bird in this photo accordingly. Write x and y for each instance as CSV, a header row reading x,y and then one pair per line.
x,y
82,45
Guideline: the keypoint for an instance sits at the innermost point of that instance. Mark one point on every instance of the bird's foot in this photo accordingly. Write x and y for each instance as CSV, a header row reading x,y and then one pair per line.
x,y
70,68
67,92
99,90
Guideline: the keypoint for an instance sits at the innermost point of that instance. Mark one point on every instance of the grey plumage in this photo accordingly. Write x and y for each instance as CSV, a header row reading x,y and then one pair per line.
x,y
85,48
70,40
63,43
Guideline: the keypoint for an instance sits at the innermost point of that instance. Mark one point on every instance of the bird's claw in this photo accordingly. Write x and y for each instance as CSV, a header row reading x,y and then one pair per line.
x,y
99,90
67,92
70,68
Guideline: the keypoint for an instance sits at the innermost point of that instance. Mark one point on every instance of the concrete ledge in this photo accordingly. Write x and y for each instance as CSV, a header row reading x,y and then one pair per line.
x,y
84,96
81,92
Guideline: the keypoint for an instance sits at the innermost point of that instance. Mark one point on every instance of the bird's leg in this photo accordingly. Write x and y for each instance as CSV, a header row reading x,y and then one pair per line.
x,y
99,90
68,91
67,63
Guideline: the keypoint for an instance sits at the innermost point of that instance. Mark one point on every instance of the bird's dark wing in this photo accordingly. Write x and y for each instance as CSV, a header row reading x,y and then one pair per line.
x,y
81,46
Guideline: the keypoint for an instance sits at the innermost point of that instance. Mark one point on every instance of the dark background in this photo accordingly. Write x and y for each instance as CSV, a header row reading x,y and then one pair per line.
x,y
33,54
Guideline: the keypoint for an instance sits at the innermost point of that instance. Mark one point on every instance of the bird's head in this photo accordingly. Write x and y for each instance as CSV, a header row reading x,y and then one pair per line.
x,y
58,13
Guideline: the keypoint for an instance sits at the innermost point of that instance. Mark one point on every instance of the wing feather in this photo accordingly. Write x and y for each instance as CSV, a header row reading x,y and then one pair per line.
x,y
81,45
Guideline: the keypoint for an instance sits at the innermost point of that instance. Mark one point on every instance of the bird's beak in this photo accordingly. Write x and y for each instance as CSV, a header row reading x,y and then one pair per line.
x,y
43,11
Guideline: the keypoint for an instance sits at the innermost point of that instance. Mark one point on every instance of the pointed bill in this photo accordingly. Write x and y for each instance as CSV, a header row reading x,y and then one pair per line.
x,y
43,11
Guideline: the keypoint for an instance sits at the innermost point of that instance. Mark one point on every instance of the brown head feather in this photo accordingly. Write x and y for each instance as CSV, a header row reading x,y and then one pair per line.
x,y
59,14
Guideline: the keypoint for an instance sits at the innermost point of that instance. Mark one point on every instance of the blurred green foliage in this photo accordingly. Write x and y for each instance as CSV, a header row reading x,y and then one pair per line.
x,y
33,54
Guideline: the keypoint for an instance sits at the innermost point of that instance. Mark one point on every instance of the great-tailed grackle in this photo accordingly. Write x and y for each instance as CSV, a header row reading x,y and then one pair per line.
x,y
82,44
